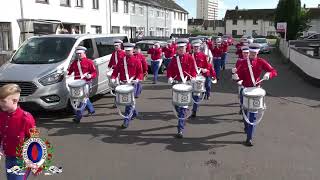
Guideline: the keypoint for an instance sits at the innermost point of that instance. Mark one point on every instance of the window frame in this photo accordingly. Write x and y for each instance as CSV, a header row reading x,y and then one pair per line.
x,y
9,32
141,10
42,1
133,8
77,5
234,22
126,6
115,6
255,22
97,28
68,3
95,4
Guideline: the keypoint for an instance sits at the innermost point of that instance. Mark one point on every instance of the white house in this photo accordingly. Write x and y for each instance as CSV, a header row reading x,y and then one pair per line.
x,y
250,22
148,18
206,26
315,21
77,16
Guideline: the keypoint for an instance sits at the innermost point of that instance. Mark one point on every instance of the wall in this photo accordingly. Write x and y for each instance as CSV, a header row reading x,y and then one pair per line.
x,y
176,23
209,29
309,65
261,28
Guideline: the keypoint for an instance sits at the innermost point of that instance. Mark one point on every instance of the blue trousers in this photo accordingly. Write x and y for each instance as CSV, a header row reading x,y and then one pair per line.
x,y
252,116
155,66
127,113
208,86
10,162
88,106
166,62
224,59
195,105
217,66
137,89
182,113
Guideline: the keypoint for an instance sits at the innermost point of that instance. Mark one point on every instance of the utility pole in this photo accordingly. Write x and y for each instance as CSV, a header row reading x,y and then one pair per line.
x,y
22,31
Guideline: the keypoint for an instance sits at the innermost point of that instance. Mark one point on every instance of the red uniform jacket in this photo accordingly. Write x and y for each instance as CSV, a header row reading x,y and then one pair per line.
x,y
143,61
175,46
134,69
189,47
201,60
239,53
258,65
120,54
155,53
187,64
217,52
87,66
168,51
14,128
238,62
211,70
210,45
225,47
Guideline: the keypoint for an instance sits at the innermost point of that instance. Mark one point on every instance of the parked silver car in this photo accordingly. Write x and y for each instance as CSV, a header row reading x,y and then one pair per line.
x,y
40,64
264,45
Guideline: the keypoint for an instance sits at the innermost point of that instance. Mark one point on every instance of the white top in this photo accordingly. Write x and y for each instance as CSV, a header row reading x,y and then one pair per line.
x,y
254,92
77,83
126,88
182,87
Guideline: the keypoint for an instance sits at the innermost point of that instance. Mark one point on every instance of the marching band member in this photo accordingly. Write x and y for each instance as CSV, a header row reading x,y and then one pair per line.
x,y
189,47
128,68
116,56
168,53
225,46
200,63
142,58
176,72
217,54
243,42
15,124
248,73
83,68
211,79
206,50
210,43
156,57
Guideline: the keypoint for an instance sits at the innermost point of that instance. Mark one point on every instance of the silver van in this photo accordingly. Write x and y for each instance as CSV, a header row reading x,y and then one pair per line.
x,y
40,64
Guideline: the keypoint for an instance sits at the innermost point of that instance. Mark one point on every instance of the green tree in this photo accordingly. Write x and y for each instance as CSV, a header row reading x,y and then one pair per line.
x,y
297,18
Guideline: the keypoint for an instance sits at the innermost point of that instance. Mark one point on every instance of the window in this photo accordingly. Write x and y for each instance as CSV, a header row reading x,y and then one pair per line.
x,y
79,3
82,29
244,32
234,32
184,17
151,13
167,15
174,31
115,30
174,14
65,3
158,13
141,10
115,6
162,14
254,33
42,1
255,22
105,45
133,8
205,28
184,31
234,22
271,23
95,4
5,37
97,29
126,7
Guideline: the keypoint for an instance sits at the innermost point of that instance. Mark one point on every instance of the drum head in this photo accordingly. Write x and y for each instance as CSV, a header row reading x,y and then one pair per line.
x,y
124,88
200,78
182,87
254,92
77,83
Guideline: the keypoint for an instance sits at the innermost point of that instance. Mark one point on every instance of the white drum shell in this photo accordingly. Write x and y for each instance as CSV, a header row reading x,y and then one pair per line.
x,y
254,99
199,85
78,89
124,95
182,95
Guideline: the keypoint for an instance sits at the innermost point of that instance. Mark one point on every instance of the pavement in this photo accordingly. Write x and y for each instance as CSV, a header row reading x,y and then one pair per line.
x,y
286,141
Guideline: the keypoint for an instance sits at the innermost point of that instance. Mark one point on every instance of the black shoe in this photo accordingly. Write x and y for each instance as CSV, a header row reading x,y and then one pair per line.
x,y
240,112
224,68
123,126
179,135
249,143
194,114
114,106
77,121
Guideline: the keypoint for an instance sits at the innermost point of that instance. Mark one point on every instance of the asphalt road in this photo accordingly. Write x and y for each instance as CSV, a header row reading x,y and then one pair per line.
x,y
287,142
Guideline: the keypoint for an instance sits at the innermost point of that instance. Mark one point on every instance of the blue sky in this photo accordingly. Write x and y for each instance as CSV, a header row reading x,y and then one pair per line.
x,y
191,5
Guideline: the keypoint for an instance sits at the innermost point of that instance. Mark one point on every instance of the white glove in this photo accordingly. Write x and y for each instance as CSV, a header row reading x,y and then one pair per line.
x,y
235,77
113,81
234,70
240,83
170,80
204,70
88,76
266,76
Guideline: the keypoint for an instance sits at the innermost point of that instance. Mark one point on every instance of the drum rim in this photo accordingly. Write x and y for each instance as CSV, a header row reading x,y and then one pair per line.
x,y
250,95
125,85
72,85
179,90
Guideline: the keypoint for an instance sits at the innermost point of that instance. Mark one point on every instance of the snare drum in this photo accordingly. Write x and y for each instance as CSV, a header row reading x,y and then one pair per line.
x,y
182,95
254,99
78,89
124,95
198,86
